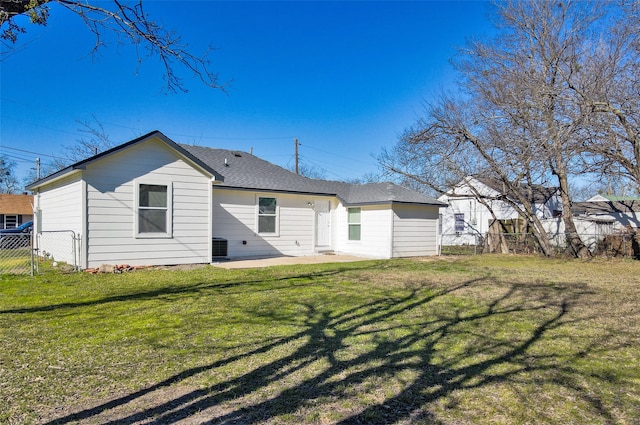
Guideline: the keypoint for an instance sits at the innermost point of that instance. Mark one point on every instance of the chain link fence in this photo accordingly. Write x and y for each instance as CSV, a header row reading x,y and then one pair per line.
x,y
27,253
16,254
613,245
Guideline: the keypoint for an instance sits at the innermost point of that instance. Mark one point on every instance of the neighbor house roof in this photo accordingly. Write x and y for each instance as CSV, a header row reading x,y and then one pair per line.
x,y
16,204
540,194
241,170
605,207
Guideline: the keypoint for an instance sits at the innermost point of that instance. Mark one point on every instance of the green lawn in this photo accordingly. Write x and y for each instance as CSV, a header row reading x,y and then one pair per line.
x,y
485,339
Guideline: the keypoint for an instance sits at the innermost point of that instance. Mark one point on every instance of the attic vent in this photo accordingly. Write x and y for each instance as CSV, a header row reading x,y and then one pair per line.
x,y
237,155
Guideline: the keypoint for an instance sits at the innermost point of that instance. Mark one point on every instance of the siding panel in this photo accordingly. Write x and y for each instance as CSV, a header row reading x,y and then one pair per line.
x,y
375,232
415,231
234,218
61,210
111,219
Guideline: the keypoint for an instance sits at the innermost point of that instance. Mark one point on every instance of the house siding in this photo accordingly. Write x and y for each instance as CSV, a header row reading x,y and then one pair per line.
x,y
235,216
415,231
111,186
375,241
59,219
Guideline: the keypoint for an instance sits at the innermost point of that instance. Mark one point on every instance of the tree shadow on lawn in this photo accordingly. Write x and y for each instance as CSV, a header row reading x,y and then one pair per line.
x,y
410,342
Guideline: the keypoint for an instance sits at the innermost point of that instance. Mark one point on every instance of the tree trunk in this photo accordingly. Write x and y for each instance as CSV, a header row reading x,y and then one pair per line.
x,y
577,247
541,237
496,241
635,244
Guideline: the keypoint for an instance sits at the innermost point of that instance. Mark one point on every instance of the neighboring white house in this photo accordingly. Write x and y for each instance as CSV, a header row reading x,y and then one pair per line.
x,y
152,201
466,217
621,212
596,218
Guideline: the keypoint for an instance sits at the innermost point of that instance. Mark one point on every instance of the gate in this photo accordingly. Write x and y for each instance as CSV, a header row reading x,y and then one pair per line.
x,y
56,248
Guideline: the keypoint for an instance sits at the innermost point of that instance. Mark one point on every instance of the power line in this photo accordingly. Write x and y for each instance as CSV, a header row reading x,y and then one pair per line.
x,y
16,157
324,169
335,154
34,153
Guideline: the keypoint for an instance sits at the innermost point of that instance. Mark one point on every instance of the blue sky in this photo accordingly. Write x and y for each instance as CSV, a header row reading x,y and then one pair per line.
x,y
345,78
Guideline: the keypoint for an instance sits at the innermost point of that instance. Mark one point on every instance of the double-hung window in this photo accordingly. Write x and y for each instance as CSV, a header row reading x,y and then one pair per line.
x,y
267,215
353,220
153,210
459,225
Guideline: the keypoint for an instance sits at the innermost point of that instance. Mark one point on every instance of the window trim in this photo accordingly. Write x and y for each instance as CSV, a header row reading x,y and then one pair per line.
x,y
350,224
276,215
169,210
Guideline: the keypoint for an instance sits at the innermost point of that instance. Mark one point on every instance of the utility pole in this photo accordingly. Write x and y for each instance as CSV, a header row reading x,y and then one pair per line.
x,y
295,140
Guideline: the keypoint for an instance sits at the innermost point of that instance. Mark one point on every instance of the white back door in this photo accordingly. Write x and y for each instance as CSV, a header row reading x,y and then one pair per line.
x,y
323,224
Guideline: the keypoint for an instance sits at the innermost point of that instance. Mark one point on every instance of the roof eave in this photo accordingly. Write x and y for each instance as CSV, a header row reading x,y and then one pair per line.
x,y
392,202
65,172
256,189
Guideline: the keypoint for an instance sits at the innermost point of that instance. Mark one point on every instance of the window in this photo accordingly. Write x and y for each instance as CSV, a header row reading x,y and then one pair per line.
x,y
267,215
153,210
11,222
459,222
353,218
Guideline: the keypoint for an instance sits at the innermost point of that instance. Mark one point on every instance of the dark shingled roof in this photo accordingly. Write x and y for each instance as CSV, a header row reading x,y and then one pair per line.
x,y
605,207
245,171
540,194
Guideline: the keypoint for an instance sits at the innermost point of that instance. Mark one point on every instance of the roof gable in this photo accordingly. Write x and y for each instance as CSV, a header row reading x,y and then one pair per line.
x,y
81,165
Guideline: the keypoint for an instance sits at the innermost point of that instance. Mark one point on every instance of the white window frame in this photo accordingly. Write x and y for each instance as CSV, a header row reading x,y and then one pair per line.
x,y
276,215
169,209
349,224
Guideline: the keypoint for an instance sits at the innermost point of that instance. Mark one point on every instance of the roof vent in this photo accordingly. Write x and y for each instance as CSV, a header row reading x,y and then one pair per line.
x,y
226,162
237,155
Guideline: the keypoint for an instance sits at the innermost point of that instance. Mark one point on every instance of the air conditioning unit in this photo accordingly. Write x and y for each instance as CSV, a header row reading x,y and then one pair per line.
x,y
219,247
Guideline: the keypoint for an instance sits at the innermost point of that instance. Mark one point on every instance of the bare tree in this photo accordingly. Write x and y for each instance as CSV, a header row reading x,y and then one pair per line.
x,y
310,171
129,22
8,180
517,118
609,86
94,141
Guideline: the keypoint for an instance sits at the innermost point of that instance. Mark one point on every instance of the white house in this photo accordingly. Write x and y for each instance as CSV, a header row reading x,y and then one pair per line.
x,y
466,217
620,212
152,201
